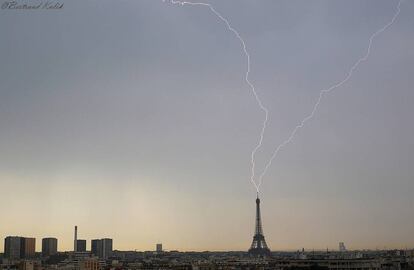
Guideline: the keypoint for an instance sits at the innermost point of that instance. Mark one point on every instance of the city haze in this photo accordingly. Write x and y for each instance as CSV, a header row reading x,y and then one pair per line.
x,y
133,121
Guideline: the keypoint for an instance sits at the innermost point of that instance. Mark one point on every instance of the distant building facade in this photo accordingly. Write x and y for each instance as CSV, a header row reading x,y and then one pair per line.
x,y
49,246
80,245
342,247
16,247
102,247
95,246
158,248
106,247
89,264
26,265
27,247
12,247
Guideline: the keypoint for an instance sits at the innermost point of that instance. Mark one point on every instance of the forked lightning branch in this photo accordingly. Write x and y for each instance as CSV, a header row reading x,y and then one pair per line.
x,y
257,181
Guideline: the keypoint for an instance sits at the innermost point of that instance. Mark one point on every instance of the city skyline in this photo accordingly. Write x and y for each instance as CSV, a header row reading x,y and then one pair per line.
x,y
134,122
153,248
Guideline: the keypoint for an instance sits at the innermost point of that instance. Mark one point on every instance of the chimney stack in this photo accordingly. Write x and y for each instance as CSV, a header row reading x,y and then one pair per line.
x,y
76,239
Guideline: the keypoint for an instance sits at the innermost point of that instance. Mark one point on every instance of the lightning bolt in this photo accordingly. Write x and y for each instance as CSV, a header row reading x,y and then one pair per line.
x,y
257,184
330,89
246,78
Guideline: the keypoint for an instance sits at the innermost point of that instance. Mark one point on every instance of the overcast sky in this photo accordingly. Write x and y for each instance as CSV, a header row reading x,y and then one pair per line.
x,y
132,120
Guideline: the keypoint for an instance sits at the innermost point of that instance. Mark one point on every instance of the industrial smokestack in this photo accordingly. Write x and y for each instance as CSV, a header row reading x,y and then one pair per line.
x,y
76,239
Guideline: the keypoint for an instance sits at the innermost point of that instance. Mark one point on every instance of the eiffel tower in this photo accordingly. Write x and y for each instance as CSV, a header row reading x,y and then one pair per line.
x,y
259,246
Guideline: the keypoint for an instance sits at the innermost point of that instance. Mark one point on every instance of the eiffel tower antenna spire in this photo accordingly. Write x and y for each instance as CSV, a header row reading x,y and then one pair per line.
x,y
259,246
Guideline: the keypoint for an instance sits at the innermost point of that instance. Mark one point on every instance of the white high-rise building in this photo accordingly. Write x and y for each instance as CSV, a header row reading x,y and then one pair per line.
x,y
159,248
342,247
